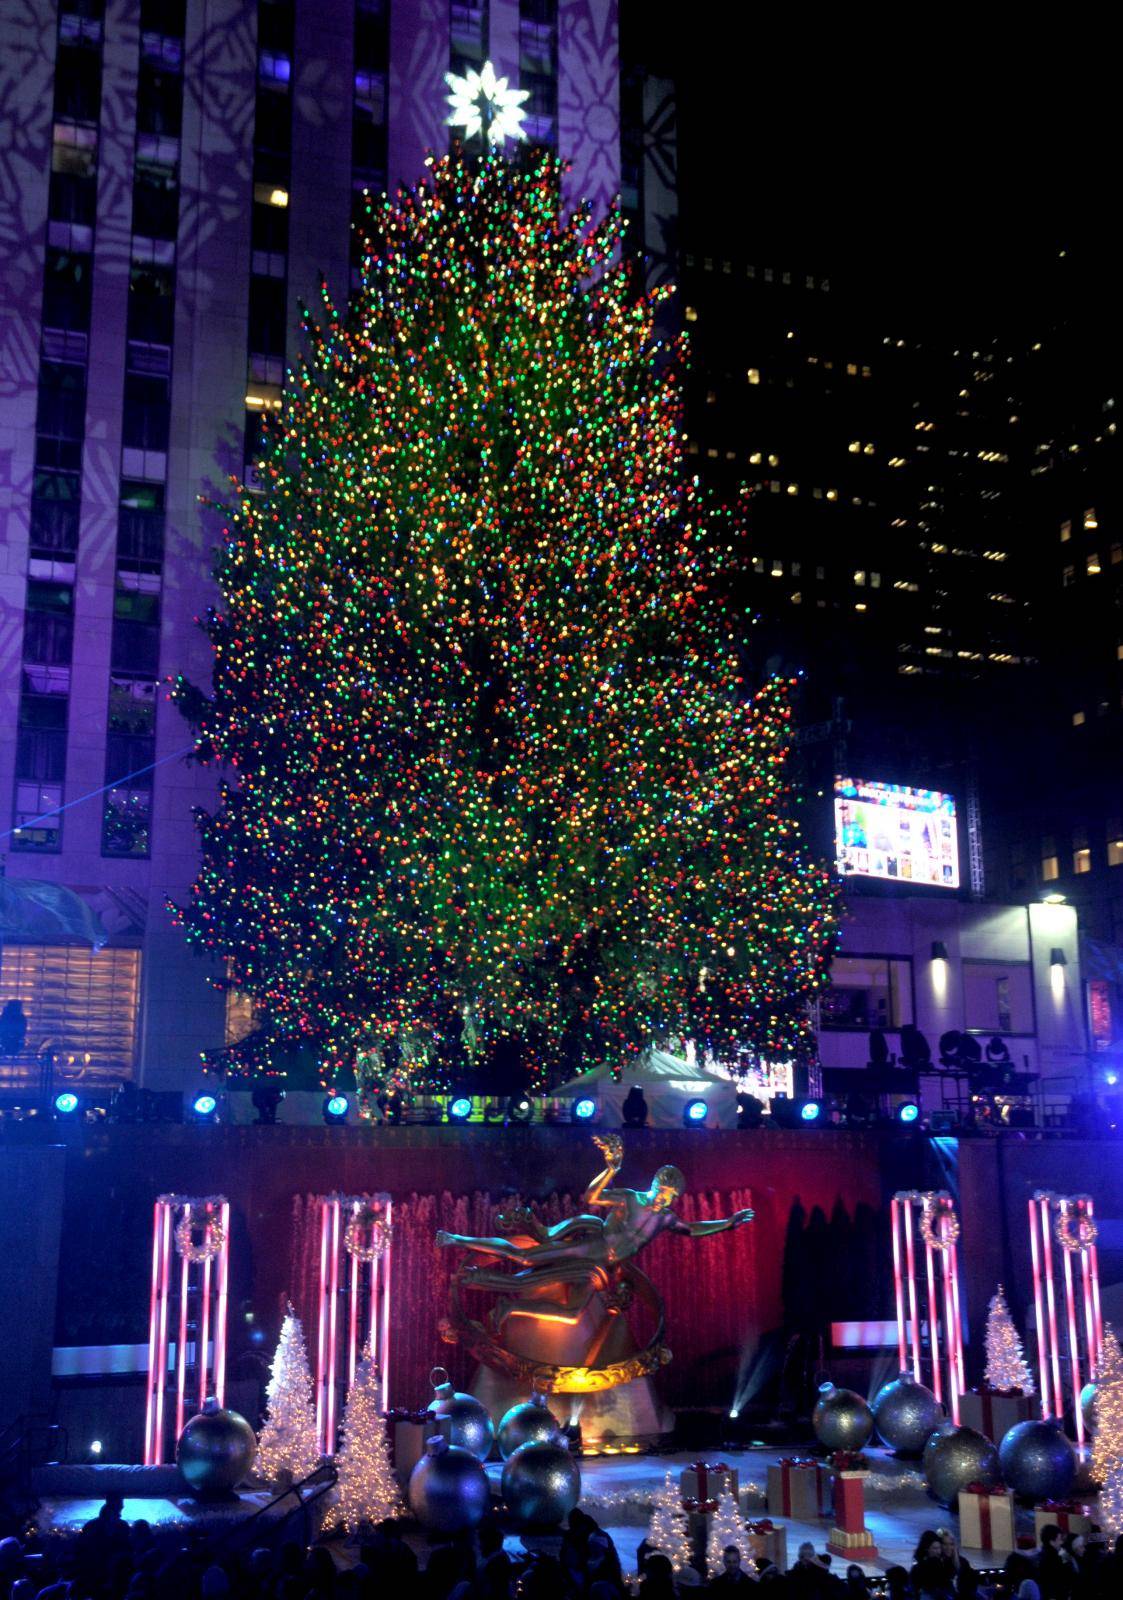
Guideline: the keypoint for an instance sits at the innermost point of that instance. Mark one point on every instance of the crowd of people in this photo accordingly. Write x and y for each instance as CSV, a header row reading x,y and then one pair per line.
x,y
111,1559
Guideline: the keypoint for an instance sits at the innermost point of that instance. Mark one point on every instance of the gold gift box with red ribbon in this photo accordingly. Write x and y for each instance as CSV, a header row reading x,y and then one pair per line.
x,y
799,1487
767,1541
986,1518
1066,1515
994,1412
706,1480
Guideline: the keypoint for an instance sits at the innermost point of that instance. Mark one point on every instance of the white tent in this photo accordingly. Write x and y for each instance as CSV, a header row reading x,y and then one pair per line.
x,y
667,1084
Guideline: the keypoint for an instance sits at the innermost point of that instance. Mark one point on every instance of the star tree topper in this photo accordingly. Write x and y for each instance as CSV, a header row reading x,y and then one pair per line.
x,y
484,103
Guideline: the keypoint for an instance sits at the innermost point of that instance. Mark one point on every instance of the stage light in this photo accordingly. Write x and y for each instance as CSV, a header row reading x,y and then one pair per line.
x,y
336,1107
908,1111
1111,1079
519,1109
584,1110
204,1108
460,1108
810,1111
66,1104
95,1447
694,1113
734,1413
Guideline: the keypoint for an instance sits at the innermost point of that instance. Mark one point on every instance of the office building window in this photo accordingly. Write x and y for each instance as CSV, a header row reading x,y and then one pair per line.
x,y
1115,842
80,1004
998,998
1081,854
1066,532
1078,719
868,992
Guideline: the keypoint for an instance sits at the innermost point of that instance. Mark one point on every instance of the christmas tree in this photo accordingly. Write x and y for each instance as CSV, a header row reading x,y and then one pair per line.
x,y
727,1526
288,1446
367,1490
492,768
1107,1444
667,1531
1006,1363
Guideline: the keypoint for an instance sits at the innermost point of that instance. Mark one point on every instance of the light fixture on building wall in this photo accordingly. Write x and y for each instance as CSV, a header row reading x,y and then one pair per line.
x,y
1057,963
939,969
1057,957
939,950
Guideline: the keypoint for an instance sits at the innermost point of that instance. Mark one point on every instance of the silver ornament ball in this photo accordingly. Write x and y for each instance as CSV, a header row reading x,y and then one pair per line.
x,y
905,1414
448,1488
1088,1406
529,1422
215,1451
468,1422
541,1484
1038,1461
956,1457
842,1420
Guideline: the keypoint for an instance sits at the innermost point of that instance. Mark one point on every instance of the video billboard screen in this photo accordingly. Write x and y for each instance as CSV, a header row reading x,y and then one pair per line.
x,y
885,830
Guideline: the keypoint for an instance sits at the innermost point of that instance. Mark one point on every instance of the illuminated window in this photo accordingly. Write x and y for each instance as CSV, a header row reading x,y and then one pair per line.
x,y
1068,576
797,598
855,447
81,1002
867,992
758,564
793,488
867,449
832,494
1090,521
1081,855
755,459
754,375
1050,862
1093,565
777,569
773,461
1114,843
851,369
1078,719
859,579
1116,554
690,314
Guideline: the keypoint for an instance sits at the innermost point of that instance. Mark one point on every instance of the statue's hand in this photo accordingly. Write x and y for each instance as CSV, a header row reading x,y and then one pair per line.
x,y
745,1215
612,1148
444,1238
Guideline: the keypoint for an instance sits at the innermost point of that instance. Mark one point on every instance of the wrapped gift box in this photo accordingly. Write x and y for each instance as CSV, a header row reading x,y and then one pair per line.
x,y
408,1431
766,1541
705,1480
799,1487
986,1519
993,1412
698,1514
1068,1516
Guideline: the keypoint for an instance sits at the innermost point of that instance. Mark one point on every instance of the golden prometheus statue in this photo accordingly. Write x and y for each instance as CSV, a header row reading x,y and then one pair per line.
x,y
559,1322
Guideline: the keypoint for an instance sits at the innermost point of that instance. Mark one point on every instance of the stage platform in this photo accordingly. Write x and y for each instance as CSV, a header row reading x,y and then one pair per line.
x,y
616,1490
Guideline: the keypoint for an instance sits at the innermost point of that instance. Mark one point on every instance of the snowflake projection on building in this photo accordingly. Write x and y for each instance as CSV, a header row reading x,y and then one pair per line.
x,y
485,104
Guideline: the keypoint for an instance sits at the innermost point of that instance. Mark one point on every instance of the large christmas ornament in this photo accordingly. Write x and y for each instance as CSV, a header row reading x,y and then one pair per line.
x,y
448,1489
1088,1406
470,1426
541,1484
906,1413
1038,1461
215,1451
955,1457
530,1422
842,1420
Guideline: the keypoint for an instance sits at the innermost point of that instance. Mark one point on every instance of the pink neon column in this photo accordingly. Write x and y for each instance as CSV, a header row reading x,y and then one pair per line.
x,y
220,1310
1094,1260
933,1325
1039,1311
202,1354
321,1345
1089,1314
162,1352
1073,1351
384,1282
1051,1301
333,1326
898,1285
181,1353
910,1260
153,1340
353,1322
957,1343
949,1340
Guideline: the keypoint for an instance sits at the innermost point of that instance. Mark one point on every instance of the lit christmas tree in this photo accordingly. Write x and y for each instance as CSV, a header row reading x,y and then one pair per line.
x,y
367,1490
1107,1443
1007,1367
492,770
727,1526
288,1447
667,1530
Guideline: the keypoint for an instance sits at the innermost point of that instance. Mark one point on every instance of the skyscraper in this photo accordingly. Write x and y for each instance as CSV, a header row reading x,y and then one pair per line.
x,y
181,176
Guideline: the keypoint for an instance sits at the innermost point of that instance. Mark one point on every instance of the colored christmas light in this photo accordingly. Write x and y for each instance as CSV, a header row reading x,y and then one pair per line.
x,y
491,767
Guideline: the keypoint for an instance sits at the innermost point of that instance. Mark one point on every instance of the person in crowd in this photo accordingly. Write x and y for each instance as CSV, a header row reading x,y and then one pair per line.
x,y
1051,1575
898,1585
857,1584
807,1580
658,1580
933,1573
733,1578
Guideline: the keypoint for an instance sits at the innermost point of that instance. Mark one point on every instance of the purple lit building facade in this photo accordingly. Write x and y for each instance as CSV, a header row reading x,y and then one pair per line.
x,y
178,177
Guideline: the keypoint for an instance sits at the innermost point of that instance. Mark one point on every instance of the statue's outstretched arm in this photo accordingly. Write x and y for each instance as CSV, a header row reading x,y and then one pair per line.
x,y
699,1230
598,1193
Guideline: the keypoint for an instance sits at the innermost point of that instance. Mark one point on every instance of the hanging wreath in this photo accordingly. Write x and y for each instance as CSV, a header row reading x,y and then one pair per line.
x,y
939,1225
377,1230
199,1238
1071,1212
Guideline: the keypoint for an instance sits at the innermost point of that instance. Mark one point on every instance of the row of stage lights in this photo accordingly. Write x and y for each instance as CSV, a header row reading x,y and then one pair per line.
x,y
337,1108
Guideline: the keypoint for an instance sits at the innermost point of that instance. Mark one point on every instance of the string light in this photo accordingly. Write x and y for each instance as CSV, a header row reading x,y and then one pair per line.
x,y
727,1526
288,1446
1006,1367
667,1530
491,766
367,1491
1107,1443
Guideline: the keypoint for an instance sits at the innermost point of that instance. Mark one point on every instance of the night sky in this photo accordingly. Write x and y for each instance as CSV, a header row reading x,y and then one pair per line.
x,y
947,164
